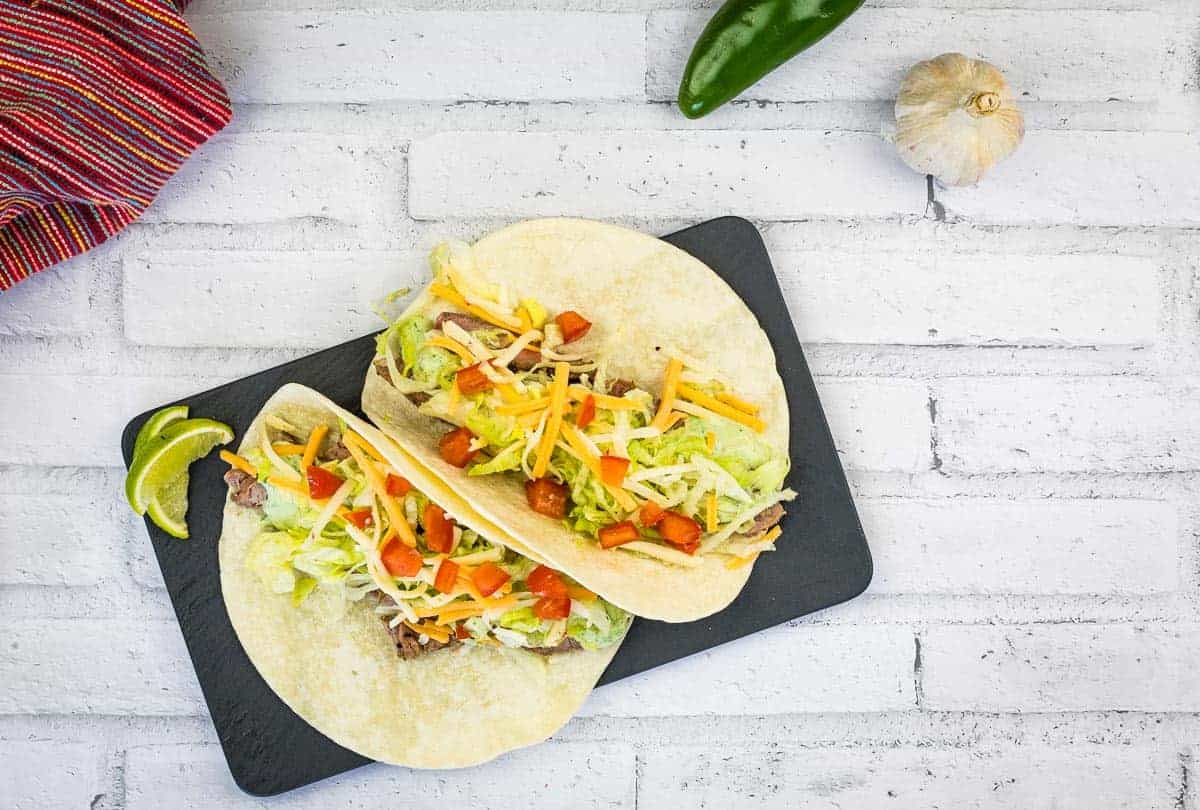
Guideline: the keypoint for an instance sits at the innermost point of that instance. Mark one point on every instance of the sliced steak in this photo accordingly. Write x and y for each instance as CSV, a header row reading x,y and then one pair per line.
x,y
245,489
408,643
566,645
468,323
764,520
382,370
619,388
419,398
335,452
526,359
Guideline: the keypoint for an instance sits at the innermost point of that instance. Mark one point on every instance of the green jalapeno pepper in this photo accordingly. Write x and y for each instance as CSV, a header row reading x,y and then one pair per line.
x,y
747,39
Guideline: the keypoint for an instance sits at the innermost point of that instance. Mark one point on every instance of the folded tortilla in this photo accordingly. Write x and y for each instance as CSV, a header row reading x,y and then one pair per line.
x,y
333,663
646,299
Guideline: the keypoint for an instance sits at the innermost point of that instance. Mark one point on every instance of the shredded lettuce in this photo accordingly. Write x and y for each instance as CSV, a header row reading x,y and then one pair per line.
x,y
594,635
269,557
507,459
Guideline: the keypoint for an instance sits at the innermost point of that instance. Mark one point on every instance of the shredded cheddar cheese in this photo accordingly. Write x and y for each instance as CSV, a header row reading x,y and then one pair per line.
x,y
710,513
430,629
717,406
592,462
670,385
518,408
508,393
443,342
710,441
289,485
558,403
288,449
234,460
739,403
314,442
456,298
579,394
738,562
355,444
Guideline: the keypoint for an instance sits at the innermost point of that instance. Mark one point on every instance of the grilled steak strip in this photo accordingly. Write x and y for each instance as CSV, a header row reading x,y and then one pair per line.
x,y
764,520
245,489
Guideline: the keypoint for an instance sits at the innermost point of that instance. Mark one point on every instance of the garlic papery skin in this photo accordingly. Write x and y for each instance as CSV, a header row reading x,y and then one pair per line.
x,y
956,118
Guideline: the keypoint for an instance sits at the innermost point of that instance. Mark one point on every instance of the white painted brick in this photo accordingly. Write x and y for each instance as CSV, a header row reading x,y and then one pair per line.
x,y
778,775
878,424
234,298
1120,424
77,420
796,174
252,177
1061,667
934,297
611,174
86,545
1047,54
805,668
37,775
124,666
552,775
52,302
356,56
1001,546
1089,178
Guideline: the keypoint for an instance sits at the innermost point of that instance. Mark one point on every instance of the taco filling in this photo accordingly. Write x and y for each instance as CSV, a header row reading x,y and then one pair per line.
x,y
674,477
335,514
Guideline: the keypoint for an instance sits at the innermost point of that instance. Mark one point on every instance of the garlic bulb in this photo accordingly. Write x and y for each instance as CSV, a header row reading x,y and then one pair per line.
x,y
956,118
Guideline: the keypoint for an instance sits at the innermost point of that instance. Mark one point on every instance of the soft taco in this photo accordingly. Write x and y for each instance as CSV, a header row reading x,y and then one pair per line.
x,y
382,611
604,397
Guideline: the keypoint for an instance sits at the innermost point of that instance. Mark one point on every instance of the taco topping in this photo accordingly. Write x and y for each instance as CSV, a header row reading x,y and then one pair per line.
x,y
674,477
349,522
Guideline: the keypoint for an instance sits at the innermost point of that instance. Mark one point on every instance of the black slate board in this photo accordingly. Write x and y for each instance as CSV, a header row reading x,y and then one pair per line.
x,y
822,557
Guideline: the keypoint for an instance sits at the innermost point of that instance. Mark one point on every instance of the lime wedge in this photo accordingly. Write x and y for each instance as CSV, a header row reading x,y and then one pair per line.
x,y
156,424
168,510
167,456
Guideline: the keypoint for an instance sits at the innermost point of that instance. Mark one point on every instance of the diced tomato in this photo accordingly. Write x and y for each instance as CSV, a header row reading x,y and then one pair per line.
x,y
545,581
362,518
547,497
401,560
397,486
680,531
552,607
447,575
587,412
472,380
439,529
651,513
455,447
573,325
618,534
612,470
322,483
488,578
461,632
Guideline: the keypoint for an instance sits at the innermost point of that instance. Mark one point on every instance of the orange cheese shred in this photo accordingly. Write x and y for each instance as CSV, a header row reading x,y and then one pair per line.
x,y
717,406
558,404
234,460
670,384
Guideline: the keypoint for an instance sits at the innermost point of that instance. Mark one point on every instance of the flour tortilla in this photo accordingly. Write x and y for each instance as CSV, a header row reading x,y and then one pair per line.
x,y
646,299
333,663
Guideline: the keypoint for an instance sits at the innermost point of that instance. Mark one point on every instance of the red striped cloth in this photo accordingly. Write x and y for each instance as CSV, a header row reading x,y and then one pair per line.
x,y
101,101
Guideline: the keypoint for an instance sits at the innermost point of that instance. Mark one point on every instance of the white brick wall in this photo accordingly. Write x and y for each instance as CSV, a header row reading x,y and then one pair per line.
x,y
349,56
1048,668
1013,392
